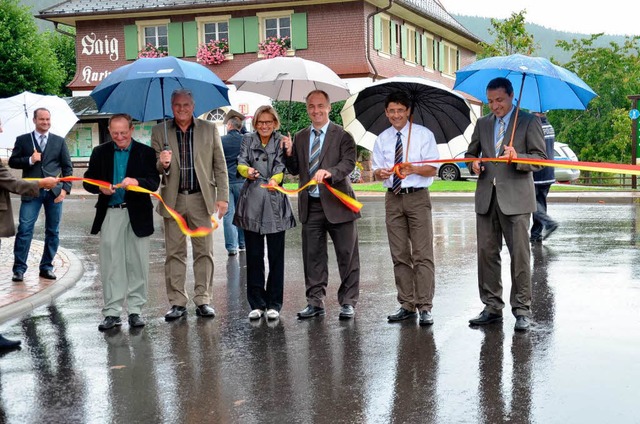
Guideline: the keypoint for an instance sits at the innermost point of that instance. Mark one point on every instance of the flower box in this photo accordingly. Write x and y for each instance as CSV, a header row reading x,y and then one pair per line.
x,y
213,53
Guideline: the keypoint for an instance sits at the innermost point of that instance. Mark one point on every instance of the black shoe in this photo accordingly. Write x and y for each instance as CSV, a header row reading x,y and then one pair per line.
x,y
549,230
205,310
136,321
426,318
536,239
48,274
17,276
347,312
401,314
485,318
232,253
522,323
8,344
310,312
109,322
175,312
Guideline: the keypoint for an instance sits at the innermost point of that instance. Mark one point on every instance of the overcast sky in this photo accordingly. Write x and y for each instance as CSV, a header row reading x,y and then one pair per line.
x,y
615,17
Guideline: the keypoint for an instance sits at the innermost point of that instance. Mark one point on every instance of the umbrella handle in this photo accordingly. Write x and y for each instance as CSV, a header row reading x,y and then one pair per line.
x,y
406,157
515,119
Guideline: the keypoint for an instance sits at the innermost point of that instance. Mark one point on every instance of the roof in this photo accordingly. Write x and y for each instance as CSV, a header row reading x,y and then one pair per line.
x,y
430,8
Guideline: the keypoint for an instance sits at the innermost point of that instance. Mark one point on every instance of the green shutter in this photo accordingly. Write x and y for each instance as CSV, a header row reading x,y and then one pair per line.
x,y
440,56
299,31
251,35
236,35
190,30
174,30
393,41
423,50
403,41
418,45
131,47
377,32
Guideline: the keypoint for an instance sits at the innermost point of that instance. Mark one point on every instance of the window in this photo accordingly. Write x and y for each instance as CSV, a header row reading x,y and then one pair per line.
x,y
428,52
277,27
385,30
412,48
216,115
384,34
213,28
156,36
450,59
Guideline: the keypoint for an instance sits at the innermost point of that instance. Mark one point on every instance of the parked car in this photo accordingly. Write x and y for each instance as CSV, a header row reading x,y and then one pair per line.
x,y
562,151
455,170
458,170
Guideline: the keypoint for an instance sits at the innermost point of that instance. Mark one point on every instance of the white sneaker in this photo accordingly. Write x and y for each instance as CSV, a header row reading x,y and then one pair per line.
x,y
272,314
256,314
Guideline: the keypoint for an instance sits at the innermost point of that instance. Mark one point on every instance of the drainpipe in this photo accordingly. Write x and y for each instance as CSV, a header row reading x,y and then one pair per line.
x,y
55,25
369,18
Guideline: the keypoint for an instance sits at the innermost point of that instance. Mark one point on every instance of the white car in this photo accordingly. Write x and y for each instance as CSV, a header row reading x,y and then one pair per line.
x,y
562,151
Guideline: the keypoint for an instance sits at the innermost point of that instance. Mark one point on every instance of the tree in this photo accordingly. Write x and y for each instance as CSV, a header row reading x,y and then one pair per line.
x,y
27,61
510,37
602,132
64,48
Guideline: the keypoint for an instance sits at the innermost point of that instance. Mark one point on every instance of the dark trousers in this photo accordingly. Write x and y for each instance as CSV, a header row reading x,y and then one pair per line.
x,y
258,296
314,253
541,219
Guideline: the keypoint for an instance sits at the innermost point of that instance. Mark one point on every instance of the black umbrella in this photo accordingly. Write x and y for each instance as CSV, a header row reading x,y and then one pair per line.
x,y
445,112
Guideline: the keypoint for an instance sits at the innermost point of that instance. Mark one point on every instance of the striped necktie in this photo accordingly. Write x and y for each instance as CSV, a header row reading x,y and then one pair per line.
x,y
500,137
397,182
314,158
43,142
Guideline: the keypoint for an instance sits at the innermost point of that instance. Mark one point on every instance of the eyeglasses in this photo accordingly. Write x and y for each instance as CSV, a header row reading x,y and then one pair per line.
x,y
259,123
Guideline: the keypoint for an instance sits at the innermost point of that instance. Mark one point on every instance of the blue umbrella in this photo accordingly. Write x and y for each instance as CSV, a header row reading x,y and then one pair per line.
x,y
144,87
541,85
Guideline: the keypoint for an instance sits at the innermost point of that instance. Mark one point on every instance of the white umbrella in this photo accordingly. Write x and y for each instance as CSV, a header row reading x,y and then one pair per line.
x,y
16,116
289,78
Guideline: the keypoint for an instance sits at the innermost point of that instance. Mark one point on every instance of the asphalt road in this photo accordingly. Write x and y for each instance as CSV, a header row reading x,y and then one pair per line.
x,y
579,363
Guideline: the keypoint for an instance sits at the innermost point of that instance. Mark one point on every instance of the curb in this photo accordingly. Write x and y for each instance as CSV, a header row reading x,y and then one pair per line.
x,y
46,296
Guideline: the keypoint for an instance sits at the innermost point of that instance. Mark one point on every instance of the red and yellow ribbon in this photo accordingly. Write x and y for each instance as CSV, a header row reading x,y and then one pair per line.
x,y
614,168
182,224
347,200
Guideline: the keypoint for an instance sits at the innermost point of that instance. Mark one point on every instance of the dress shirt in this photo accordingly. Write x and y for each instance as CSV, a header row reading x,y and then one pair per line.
x,y
314,191
120,160
496,126
422,147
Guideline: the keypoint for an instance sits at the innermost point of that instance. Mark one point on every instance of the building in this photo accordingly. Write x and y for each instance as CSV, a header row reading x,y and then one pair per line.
x,y
361,40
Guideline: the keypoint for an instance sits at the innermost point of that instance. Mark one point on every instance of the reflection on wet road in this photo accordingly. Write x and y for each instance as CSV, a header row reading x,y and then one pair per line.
x,y
579,363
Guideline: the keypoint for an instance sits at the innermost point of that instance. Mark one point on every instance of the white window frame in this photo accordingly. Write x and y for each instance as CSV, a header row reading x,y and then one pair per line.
x,y
151,23
450,58
262,16
411,42
431,53
385,36
202,21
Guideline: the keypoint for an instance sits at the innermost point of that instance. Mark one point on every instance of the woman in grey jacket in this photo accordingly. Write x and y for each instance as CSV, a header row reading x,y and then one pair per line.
x,y
263,213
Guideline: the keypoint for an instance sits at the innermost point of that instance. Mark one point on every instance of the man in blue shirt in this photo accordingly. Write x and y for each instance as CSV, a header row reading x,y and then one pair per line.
x,y
233,236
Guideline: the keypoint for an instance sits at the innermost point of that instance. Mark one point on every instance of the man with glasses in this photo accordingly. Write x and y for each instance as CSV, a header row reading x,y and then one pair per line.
x,y
124,220
325,152
196,187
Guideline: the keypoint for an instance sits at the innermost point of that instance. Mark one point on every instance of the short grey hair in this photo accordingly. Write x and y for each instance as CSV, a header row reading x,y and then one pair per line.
x,y
182,92
235,123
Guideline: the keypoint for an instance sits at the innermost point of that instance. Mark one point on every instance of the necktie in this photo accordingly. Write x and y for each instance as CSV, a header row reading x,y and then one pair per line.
x,y
314,158
397,182
43,142
500,138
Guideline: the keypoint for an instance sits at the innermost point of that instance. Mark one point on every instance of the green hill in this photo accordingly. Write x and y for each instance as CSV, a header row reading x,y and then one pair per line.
x,y
545,37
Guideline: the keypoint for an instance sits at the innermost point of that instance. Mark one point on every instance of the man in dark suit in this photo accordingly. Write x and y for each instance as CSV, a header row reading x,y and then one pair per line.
x,y
325,152
40,154
505,198
124,220
231,142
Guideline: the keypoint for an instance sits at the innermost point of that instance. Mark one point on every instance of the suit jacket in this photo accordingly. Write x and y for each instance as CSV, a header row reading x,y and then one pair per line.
x,y
231,143
210,166
515,192
338,156
55,161
9,183
141,166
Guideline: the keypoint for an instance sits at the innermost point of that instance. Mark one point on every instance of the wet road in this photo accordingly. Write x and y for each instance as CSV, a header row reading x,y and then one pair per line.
x,y
579,363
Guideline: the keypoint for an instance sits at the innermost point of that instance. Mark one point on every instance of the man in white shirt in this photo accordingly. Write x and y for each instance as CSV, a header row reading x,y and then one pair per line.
x,y
408,207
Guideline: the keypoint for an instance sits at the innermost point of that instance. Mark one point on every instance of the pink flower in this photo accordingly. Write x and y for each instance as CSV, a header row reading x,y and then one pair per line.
x,y
152,51
274,47
213,53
